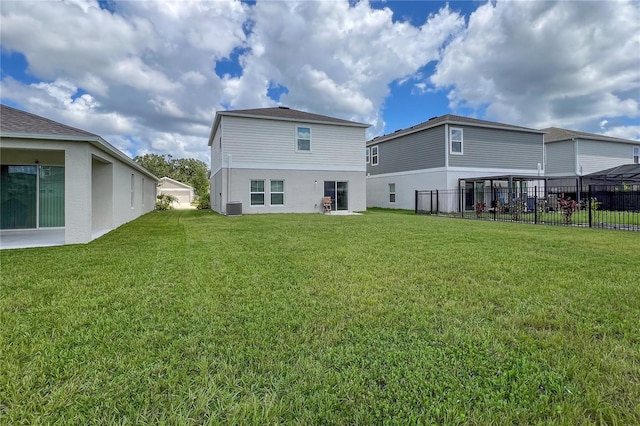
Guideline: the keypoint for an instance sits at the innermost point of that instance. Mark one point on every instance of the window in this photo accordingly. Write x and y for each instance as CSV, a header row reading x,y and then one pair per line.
x,y
277,193
303,135
455,141
367,153
132,189
257,193
392,192
636,154
374,155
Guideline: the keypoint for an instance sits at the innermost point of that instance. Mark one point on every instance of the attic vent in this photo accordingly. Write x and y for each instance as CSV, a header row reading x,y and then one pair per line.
x,y
397,131
283,107
433,118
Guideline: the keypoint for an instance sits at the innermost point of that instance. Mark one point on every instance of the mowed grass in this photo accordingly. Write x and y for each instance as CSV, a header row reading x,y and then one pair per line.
x,y
192,318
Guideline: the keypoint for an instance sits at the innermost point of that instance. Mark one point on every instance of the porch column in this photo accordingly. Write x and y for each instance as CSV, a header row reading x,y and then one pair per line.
x,y
77,194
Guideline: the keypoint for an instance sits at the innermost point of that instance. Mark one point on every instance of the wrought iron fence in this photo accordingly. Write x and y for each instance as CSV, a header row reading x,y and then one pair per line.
x,y
594,206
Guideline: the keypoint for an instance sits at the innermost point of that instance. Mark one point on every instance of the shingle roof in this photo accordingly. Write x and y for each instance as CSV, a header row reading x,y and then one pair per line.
x,y
292,114
556,134
450,119
20,122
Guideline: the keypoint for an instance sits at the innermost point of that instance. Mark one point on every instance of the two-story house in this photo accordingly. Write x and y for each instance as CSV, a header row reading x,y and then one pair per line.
x,y
438,153
573,154
280,160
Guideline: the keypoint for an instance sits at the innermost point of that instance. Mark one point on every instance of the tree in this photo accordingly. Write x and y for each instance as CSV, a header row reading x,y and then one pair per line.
x,y
186,170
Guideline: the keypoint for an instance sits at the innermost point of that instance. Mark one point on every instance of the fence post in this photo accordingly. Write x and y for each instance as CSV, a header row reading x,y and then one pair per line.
x,y
460,201
589,201
431,202
535,204
416,202
437,202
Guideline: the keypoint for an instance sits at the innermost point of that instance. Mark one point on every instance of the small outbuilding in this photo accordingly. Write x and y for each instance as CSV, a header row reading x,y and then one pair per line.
x,y
182,192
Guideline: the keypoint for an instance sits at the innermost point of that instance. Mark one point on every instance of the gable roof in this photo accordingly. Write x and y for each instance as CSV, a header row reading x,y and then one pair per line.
x,y
450,119
556,134
18,124
178,183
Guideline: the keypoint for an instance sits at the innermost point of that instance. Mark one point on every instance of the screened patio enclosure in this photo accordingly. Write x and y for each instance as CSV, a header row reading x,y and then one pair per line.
x,y
31,196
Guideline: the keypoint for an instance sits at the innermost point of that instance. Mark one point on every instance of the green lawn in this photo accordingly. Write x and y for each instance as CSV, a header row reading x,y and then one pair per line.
x,y
190,317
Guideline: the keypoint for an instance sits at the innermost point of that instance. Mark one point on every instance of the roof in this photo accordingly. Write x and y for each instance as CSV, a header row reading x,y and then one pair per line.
x,y
15,123
181,184
21,122
450,119
556,134
291,114
626,172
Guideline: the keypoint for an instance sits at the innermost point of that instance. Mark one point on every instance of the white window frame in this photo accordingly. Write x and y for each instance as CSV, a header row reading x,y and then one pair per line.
x,y
298,139
252,192
367,155
636,155
271,192
375,158
392,193
451,140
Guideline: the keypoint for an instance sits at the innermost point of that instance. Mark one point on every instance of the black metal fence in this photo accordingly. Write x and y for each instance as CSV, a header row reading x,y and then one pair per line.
x,y
594,206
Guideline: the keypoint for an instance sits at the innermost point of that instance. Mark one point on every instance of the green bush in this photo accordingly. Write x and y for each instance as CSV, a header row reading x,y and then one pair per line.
x,y
204,202
164,201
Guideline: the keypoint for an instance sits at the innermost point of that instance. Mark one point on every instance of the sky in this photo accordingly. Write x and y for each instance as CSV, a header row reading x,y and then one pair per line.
x,y
149,76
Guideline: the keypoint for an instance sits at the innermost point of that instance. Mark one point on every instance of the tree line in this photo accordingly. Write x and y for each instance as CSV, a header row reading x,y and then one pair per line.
x,y
186,170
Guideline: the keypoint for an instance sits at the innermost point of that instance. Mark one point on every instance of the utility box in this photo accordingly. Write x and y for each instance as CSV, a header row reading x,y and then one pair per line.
x,y
234,208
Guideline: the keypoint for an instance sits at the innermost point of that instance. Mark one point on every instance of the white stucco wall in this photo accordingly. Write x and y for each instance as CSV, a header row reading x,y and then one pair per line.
x,y
303,189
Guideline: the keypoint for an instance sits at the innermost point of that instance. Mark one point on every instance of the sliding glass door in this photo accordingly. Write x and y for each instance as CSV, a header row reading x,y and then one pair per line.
x,y
339,193
31,196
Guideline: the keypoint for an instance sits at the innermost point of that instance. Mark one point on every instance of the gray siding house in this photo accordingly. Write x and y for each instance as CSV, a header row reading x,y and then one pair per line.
x,y
280,160
573,154
437,153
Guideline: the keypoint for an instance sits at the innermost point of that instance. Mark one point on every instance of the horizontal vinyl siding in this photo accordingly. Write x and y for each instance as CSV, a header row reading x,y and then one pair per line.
x,y
560,159
495,148
216,151
417,151
253,141
594,156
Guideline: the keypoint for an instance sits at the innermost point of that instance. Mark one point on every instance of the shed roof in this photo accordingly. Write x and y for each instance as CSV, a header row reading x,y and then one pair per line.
x,y
556,134
626,173
450,119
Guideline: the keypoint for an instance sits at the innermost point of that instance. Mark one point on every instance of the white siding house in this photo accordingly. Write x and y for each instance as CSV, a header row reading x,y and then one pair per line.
x,y
569,153
280,160
182,192
62,185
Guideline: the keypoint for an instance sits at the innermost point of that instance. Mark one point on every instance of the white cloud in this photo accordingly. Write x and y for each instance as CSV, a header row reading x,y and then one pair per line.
x,y
334,59
541,64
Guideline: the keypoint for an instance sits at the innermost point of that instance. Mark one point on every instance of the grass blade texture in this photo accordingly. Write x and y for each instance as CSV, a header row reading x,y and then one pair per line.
x,y
188,317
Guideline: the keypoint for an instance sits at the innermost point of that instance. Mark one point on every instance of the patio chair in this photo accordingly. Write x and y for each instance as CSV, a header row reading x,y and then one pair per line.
x,y
326,204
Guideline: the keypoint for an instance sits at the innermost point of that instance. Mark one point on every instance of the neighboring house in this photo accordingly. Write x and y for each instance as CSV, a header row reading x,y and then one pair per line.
x,y
438,153
182,192
569,153
62,185
277,160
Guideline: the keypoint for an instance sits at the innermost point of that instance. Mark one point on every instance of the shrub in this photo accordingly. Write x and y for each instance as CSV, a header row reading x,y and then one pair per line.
x,y
164,201
204,202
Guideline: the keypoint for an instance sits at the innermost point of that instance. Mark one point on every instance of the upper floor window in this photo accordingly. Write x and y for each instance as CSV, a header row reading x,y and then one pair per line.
x,y
636,154
257,193
455,141
303,136
374,155
367,153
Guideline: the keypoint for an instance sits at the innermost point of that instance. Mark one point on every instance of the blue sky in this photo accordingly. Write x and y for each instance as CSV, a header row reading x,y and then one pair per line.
x,y
149,76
